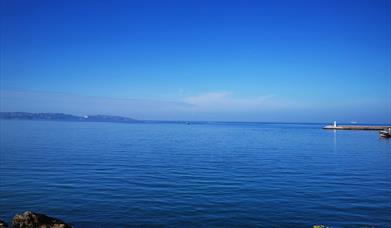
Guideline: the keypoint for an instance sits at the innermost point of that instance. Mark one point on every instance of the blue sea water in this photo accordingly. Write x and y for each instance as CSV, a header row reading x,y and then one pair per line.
x,y
198,175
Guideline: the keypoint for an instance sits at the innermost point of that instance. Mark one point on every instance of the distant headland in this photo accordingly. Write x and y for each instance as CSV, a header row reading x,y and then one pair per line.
x,y
64,117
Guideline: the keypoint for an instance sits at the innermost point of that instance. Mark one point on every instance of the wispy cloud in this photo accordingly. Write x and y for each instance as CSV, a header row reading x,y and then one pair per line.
x,y
35,101
224,101
205,106
223,106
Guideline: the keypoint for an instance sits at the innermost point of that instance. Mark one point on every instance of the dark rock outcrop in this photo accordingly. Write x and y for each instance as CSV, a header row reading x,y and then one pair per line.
x,y
3,224
35,220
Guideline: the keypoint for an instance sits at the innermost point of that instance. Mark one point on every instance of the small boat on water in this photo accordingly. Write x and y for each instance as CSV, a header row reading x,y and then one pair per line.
x,y
385,133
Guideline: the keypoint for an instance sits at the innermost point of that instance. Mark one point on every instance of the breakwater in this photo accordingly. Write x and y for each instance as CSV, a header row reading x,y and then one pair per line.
x,y
354,127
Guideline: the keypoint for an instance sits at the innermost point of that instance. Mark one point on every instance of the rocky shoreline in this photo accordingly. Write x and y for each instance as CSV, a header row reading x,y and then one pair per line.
x,y
31,219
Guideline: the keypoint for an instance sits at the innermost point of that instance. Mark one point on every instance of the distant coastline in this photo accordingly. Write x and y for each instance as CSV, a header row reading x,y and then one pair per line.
x,y
65,117
45,116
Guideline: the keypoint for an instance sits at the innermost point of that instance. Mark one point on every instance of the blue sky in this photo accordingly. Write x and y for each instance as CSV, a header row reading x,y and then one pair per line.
x,y
307,61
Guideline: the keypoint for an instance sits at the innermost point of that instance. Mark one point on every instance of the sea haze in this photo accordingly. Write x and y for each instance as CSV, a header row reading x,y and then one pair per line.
x,y
213,174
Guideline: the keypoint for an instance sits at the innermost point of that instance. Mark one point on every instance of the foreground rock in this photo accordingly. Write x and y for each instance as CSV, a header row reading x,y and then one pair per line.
x,y
34,220
3,224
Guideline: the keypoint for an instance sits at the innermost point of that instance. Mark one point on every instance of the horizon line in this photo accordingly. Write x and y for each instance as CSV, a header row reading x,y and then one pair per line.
x,y
179,120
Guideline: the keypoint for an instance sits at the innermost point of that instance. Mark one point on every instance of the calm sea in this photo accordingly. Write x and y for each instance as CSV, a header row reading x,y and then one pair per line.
x,y
198,175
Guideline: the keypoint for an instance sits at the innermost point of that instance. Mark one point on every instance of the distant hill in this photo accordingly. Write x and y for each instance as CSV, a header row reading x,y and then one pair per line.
x,y
64,117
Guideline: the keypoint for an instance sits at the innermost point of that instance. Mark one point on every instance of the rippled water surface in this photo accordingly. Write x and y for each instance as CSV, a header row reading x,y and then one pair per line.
x,y
216,174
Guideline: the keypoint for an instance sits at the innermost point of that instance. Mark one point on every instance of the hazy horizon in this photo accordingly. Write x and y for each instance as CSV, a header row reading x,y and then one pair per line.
x,y
262,61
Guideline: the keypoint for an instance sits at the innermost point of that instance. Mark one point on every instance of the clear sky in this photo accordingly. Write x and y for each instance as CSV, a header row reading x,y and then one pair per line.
x,y
306,61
